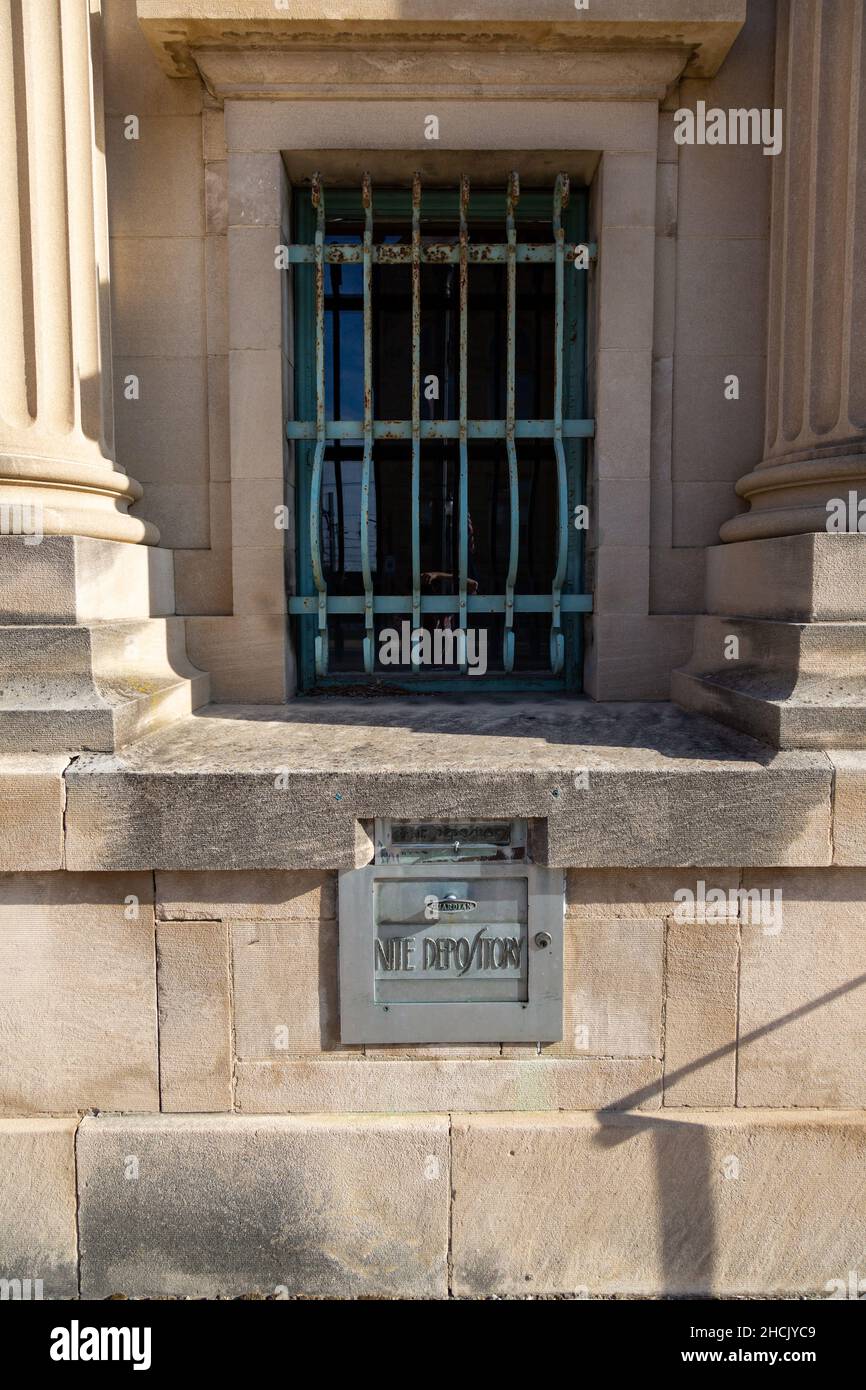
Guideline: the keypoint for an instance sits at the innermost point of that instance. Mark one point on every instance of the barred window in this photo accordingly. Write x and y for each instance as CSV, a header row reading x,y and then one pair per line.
x,y
439,432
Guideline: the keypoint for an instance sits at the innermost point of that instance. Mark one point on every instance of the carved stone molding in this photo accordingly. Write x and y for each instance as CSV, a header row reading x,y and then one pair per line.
x,y
396,48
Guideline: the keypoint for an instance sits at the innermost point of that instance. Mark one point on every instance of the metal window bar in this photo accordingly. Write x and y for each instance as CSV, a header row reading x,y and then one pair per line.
x,y
510,446
367,465
463,429
463,493
416,415
557,638
318,198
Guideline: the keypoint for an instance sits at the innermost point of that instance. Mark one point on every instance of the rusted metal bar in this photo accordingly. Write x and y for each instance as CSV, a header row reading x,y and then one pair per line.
x,y
321,647
416,411
557,638
463,407
440,253
510,446
367,464
444,603
442,429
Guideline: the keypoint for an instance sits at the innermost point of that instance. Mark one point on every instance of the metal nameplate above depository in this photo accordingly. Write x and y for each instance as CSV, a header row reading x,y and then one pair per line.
x,y
460,952
410,842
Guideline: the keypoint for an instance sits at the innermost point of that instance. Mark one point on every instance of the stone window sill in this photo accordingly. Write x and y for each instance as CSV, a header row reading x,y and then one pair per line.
x,y
612,785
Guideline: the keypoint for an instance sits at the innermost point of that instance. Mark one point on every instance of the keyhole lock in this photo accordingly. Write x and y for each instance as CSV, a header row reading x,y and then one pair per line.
x,y
542,940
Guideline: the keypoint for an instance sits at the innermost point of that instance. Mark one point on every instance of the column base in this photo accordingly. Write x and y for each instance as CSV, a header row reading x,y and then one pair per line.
x,y
90,654
791,497
65,498
781,654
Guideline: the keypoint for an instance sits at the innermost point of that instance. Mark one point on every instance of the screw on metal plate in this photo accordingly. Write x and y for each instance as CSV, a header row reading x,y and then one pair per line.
x,y
542,939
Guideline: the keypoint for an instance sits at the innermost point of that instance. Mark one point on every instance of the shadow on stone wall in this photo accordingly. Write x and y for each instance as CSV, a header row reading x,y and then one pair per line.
x,y
687,1169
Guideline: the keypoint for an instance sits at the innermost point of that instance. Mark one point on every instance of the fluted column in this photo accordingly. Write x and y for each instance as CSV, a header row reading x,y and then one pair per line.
x,y
56,426
815,444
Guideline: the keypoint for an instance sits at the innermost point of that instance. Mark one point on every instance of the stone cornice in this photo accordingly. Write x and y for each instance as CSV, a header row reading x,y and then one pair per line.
x,y
391,48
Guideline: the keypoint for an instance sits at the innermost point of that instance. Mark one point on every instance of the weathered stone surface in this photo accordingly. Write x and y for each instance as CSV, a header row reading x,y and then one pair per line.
x,y
694,812
538,1083
32,797
76,579
783,709
65,687
695,38
633,655
37,1199
335,1205
156,188
805,578
646,1206
195,1043
802,994
849,806
285,990
612,989
293,896
617,988
701,1013
253,787
633,893
246,656
77,993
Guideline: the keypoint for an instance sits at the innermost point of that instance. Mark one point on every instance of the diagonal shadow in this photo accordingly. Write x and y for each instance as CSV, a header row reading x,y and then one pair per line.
x,y
689,1244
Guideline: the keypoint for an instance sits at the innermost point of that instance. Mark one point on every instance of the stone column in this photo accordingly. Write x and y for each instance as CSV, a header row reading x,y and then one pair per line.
x,y
815,445
56,414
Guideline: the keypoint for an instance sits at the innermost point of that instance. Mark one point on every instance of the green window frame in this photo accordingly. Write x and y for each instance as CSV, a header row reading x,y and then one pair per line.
x,y
316,246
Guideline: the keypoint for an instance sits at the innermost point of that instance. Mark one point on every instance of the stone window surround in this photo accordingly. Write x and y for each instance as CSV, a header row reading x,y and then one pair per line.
x,y
615,145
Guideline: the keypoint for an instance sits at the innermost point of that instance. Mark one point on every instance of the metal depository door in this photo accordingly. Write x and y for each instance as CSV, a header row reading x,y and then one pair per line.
x,y
446,948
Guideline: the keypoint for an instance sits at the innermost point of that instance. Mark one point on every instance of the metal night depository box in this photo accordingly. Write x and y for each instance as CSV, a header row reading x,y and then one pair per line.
x,y
451,936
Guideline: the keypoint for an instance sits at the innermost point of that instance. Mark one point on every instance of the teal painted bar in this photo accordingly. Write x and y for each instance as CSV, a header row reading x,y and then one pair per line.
x,y
416,405
557,636
318,201
301,605
511,201
367,466
442,429
480,252
463,393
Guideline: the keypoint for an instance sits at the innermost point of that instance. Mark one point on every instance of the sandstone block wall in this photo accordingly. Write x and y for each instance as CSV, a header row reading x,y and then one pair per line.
x,y
217,993
177,1114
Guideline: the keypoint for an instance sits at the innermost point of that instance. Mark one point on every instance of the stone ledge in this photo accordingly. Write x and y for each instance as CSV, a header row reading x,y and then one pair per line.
x,y
284,787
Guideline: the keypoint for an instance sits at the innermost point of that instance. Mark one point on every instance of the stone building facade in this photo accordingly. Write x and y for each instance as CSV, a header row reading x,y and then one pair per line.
x,y
179,1112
